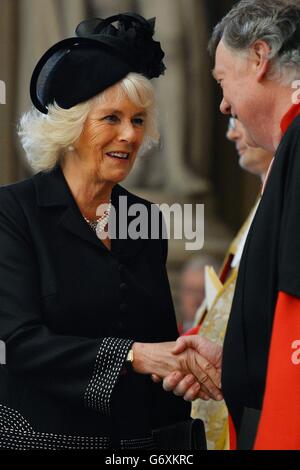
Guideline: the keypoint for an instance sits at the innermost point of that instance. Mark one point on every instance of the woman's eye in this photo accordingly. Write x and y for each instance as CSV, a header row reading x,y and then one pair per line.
x,y
138,121
112,118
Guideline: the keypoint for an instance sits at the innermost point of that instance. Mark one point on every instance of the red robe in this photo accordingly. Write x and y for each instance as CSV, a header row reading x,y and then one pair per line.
x,y
279,426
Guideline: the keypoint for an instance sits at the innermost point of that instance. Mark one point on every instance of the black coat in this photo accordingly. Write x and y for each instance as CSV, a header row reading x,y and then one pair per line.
x,y
269,265
69,311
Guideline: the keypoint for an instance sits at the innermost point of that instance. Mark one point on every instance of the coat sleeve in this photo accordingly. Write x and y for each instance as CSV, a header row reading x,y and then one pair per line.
x,y
81,370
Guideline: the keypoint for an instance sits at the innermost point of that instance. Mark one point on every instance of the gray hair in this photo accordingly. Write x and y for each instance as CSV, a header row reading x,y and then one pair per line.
x,y
277,22
46,137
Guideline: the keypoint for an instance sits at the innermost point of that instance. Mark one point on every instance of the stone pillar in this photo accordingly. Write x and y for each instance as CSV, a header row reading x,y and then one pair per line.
x,y
39,24
42,23
175,95
8,35
104,8
199,94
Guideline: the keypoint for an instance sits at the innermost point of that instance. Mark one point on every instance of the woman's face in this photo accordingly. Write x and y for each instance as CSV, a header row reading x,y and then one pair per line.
x,y
111,137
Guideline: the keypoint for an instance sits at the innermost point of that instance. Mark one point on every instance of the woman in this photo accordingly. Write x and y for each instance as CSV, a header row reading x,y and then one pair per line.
x,y
75,305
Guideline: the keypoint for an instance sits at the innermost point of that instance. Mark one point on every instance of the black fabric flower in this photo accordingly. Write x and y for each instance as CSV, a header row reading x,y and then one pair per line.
x,y
131,36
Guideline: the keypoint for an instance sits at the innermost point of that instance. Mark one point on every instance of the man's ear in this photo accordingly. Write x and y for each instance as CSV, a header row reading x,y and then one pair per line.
x,y
261,62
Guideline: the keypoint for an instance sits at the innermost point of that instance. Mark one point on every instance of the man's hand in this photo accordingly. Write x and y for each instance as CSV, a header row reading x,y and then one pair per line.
x,y
203,359
206,348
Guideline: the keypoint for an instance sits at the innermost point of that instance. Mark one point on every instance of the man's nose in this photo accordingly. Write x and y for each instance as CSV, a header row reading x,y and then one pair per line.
x,y
225,107
232,134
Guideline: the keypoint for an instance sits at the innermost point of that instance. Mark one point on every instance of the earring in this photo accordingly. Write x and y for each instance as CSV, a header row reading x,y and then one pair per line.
x,y
71,148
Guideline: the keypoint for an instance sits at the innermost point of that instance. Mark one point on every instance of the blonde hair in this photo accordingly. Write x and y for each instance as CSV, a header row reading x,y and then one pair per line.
x,y
46,137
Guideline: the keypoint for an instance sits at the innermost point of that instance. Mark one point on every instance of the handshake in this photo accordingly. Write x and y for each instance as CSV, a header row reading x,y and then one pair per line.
x,y
190,367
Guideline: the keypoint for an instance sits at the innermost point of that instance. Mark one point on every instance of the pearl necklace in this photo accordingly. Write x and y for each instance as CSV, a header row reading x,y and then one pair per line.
x,y
99,225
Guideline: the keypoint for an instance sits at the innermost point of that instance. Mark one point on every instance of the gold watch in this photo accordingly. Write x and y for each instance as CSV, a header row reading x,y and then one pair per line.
x,y
129,358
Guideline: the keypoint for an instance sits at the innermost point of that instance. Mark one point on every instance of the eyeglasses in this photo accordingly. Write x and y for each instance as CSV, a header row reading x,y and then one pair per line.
x,y
232,124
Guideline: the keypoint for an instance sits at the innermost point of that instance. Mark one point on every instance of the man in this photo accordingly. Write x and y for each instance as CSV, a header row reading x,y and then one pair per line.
x,y
253,159
212,322
257,63
213,325
192,289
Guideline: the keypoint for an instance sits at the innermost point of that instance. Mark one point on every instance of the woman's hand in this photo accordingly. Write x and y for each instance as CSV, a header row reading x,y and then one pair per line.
x,y
156,358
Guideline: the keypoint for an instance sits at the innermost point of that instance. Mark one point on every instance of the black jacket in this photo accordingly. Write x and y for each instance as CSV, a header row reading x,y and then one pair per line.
x,y
269,265
69,311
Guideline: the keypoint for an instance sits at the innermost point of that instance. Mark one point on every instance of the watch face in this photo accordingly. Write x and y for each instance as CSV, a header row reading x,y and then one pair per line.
x,y
130,356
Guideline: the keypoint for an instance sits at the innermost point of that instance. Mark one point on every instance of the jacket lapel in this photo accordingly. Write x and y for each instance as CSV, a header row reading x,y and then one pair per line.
x,y
53,191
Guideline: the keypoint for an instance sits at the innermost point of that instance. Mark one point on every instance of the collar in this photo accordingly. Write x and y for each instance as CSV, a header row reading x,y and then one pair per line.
x,y
267,177
289,117
52,190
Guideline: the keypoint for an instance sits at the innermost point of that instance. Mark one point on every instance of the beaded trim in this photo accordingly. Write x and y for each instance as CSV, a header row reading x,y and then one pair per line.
x,y
17,434
15,440
146,443
110,360
13,420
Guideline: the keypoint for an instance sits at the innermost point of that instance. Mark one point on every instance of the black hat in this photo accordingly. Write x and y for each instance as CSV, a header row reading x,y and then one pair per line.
x,y
101,54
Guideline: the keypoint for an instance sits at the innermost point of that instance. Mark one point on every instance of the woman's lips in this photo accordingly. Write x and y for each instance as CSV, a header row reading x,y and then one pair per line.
x,y
118,155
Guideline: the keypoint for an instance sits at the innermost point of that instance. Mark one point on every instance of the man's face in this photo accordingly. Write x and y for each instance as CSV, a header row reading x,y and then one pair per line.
x,y
255,160
236,75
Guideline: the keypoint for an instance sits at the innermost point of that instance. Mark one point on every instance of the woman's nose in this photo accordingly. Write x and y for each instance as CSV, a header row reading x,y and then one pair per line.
x,y
127,132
